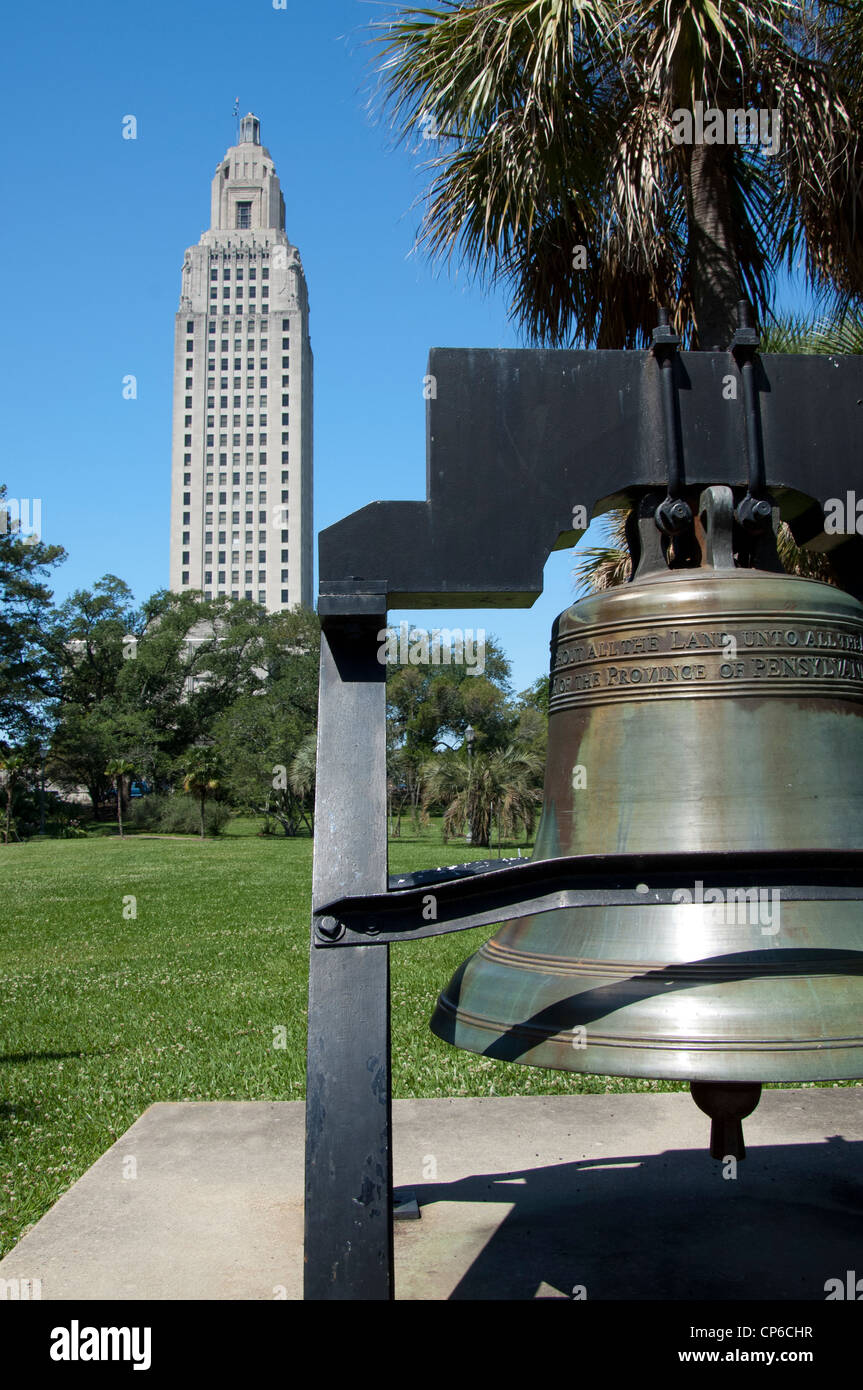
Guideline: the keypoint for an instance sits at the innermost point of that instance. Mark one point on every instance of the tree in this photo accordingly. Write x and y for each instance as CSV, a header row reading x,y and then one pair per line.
x,y
568,166
202,776
430,705
501,784
267,727
15,763
26,674
119,769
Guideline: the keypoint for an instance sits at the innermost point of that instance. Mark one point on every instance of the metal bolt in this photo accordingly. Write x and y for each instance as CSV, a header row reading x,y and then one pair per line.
x,y
330,929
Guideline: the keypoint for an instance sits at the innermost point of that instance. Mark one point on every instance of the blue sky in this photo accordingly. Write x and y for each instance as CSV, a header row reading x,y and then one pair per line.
x,y
93,240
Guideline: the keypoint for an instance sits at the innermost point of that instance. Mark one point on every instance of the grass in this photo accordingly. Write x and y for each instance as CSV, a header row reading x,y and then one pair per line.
x,y
103,1012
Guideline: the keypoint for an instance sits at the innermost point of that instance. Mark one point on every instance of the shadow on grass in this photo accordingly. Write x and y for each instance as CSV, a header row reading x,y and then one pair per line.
x,y
15,1057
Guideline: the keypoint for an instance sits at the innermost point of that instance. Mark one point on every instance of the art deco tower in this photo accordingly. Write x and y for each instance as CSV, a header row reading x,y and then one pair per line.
x,y
241,492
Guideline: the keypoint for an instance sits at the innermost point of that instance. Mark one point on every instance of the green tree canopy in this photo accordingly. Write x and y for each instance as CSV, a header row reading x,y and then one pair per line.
x,y
27,674
553,128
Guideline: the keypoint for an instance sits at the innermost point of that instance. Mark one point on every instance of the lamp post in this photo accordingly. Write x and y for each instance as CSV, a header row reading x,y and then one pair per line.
x,y
469,736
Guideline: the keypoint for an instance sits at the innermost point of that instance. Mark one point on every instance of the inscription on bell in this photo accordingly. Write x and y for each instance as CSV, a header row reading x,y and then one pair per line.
x,y
693,656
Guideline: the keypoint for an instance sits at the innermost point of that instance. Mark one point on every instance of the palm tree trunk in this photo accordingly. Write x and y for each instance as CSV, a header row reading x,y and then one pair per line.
x,y
203,799
715,270
119,785
8,812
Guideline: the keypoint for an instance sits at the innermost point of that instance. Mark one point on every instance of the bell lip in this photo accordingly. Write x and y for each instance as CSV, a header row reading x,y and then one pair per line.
x,y
766,1062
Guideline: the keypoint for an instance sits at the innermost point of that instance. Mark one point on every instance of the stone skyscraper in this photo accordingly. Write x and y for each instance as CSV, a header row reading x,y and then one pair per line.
x,y
241,491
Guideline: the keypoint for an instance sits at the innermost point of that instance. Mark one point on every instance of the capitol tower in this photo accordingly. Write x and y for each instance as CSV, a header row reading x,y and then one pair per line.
x,y
241,488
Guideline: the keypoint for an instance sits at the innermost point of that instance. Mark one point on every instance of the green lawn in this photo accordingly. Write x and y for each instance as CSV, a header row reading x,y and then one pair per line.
x,y
101,1014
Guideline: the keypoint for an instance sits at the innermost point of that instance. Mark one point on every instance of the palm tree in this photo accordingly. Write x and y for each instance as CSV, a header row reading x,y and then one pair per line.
x,y
14,763
118,769
202,776
475,789
302,776
562,166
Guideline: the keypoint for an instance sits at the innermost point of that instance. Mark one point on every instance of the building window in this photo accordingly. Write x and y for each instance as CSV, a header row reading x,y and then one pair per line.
x,y
286,323
285,576
284,596
208,576
285,536
189,345
244,214
284,557
185,578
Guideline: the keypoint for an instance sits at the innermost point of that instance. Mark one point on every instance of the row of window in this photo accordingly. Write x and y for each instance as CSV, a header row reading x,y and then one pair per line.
x,y
235,459
221,557
235,478
226,273
236,327
223,593
238,292
190,323
239,540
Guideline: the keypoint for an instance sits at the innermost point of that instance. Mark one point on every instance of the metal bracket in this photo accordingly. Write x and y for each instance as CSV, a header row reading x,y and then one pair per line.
x,y
458,902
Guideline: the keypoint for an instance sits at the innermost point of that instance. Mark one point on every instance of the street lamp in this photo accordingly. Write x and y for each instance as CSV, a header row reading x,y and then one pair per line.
x,y
469,736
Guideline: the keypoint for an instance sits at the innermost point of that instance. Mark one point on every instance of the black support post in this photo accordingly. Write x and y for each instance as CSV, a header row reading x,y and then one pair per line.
x,y
348,1095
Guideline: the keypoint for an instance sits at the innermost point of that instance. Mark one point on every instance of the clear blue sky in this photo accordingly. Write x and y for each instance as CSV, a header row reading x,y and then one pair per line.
x,y
93,240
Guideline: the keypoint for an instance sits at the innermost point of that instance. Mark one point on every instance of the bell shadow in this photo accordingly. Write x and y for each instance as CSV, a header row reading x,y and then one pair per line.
x,y
590,1005
669,1225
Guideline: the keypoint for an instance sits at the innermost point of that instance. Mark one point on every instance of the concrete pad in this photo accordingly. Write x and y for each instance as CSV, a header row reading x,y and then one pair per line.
x,y
521,1198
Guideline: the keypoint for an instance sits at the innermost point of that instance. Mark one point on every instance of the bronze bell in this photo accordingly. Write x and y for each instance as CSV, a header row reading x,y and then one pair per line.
x,y
701,708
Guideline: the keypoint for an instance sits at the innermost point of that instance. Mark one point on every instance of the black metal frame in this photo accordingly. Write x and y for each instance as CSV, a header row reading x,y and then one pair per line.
x,y
515,441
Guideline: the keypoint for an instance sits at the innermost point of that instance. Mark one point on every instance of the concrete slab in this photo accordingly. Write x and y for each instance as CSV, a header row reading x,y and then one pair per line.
x,y
520,1198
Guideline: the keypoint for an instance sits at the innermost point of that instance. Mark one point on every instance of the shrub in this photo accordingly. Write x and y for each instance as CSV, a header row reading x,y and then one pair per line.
x,y
179,814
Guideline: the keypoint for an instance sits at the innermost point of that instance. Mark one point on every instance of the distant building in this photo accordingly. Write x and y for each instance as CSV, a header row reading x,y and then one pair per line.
x,y
241,490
